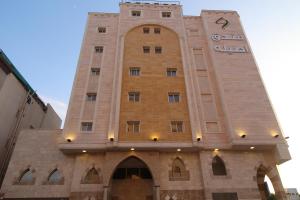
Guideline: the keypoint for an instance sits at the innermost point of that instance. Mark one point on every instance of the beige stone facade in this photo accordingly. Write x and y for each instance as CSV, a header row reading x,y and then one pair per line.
x,y
20,108
179,114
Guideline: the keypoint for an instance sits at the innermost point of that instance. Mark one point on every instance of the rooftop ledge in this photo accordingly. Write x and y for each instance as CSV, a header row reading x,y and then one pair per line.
x,y
162,146
154,2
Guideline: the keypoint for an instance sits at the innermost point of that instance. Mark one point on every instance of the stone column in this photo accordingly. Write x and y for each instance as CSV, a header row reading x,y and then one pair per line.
x,y
156,192
106,192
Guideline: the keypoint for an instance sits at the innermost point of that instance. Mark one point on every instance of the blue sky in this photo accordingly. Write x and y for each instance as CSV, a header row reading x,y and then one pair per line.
x,y
43,37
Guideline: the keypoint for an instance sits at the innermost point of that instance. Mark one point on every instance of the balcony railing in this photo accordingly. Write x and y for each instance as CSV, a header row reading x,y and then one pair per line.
x,y
151,2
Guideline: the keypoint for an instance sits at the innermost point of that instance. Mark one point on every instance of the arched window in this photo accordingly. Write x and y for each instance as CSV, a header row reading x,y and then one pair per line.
x,y
178,167
26,177
92,177
178,172
55,177
218,166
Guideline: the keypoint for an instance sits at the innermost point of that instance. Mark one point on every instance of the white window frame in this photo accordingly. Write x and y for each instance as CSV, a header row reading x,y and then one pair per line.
x,y
95,71
162,12
146,47
171,71
135,98
133,128
131,13
158,50
101,28
173,94
101,49
91,96
146,28
177,125
132,69
87,129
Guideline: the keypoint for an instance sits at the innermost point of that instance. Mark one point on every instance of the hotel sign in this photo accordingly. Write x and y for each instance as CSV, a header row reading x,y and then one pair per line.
x,y
230,49
217,37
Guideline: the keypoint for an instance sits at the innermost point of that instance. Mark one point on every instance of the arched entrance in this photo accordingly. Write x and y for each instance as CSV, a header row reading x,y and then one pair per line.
x,y
132,180
272,174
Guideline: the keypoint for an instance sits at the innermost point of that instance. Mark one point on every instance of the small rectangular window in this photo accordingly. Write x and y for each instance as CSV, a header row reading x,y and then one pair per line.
x,y
166,14
176,126
91,96
146,49
86,126
101,29
133,126
95,71
146,30
134,71
157,30
99,49
136,13
134,96
158,50
173,97
171,72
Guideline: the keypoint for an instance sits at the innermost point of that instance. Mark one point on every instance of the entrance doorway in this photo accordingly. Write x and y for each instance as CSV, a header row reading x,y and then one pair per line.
x,y
132,180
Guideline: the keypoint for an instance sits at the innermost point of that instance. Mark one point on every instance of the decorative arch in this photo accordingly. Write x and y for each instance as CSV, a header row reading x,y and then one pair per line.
x,y
26,177
261,172
151,23
178,171
218,166
92,176
132,171
55,177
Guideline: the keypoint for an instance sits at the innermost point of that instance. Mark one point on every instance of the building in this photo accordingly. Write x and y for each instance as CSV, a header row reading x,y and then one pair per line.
x,y
20,108
292,194
163,106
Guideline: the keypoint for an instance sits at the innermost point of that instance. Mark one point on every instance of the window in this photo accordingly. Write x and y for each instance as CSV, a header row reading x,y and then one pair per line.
x,y
99,49
173,97
134,96
158,50
157,30
224,196
134,71
95,71
177,126
26,177
171,72
178,172
101,29
146,49
218,166
146,30
133,126
136,13
86,126
166,14
92,177
55,177
91,96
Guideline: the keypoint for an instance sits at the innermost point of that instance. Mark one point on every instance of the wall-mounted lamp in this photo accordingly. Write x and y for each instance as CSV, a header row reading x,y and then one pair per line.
x,y
199,139
69,140
83,151
111,139
252,148
216,149
178,150
132,149
155,139
243,135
